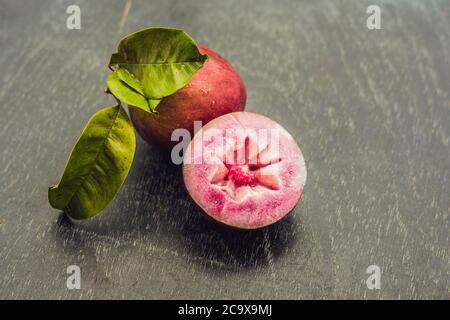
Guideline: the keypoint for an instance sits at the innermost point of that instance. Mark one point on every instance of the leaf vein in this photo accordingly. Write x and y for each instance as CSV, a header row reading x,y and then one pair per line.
x,y
84,177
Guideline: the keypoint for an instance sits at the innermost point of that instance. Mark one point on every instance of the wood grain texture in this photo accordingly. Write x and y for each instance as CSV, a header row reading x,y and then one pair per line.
x,y
370,110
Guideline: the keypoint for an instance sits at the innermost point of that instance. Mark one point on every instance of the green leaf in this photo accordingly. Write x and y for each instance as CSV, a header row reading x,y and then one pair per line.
x,y
97,166
125,87
126,92
153,104
163,60
130,80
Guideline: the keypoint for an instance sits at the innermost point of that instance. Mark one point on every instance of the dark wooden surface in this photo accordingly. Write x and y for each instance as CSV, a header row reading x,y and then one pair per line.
x,y
370,110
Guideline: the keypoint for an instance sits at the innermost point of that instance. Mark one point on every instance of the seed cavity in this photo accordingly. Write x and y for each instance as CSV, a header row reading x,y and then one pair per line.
x,y
259,169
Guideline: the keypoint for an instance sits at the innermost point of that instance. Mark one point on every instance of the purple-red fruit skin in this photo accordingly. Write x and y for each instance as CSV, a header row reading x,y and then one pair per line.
x,y
214,90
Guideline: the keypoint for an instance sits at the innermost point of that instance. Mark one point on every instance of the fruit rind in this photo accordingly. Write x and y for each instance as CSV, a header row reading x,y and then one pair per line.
x,y
214,90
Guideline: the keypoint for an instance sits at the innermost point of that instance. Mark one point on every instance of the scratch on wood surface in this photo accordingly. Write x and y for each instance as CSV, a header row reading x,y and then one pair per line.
x,y
124,17
369,109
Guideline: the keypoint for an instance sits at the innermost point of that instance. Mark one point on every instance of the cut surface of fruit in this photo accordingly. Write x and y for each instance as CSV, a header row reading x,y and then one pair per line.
x,y
244,170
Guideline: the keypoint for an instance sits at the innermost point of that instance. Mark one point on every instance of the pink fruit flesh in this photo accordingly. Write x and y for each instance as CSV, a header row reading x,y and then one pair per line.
x,y
214,90
249,191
